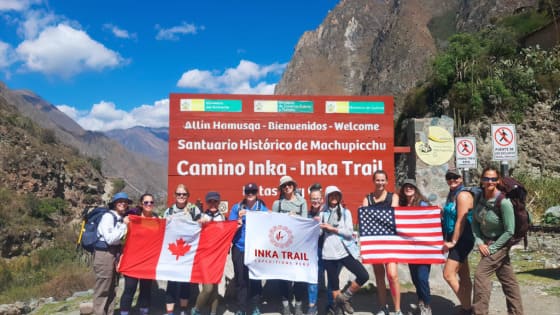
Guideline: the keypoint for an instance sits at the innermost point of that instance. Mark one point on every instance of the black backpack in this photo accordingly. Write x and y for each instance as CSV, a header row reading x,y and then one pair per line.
x,y
517,194
88,238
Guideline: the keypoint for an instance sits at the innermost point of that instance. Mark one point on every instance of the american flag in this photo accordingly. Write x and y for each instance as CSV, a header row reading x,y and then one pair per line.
x,y
401,234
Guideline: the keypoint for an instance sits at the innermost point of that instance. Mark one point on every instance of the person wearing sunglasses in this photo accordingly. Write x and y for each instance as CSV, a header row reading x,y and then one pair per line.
x,y
208,296
192,213
292,203
111,230
144,209
492,232
248,292
458,239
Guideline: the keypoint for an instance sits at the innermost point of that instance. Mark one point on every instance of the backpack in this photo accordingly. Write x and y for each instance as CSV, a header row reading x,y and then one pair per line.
x,y
388,199
448,221
517,194
88,238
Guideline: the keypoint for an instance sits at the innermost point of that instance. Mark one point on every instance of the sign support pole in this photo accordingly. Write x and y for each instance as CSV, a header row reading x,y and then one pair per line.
x,y
466,177
504,168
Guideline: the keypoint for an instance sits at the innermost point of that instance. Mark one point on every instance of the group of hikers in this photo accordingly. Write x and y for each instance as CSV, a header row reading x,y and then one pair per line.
x,y
465,224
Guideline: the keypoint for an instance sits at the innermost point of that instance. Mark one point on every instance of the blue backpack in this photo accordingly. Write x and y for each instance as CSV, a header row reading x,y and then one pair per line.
x,y
88,238
450,209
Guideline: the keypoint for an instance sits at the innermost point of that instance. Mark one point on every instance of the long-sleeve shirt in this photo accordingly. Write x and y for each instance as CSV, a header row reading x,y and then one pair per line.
x,y
491,227
110,232
333,248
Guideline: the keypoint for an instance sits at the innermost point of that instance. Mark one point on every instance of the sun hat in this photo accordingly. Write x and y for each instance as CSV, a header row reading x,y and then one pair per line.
x,y
212,195
287,179
121,196
332,189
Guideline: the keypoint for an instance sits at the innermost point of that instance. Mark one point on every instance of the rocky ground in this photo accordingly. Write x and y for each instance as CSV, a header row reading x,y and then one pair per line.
x,y
537,270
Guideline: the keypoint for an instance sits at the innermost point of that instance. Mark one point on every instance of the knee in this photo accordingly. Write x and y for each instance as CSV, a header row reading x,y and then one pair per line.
x,y
449,276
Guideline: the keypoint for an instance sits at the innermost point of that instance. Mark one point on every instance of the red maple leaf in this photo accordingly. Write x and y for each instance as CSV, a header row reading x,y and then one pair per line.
x,y
179,248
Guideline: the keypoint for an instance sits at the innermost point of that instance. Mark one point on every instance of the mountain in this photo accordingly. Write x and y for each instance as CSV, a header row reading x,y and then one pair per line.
x,y
368,47
149,142
139,173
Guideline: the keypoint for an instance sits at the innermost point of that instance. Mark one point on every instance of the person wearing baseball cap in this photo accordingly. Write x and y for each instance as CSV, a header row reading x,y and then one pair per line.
x,y
458,237
247,291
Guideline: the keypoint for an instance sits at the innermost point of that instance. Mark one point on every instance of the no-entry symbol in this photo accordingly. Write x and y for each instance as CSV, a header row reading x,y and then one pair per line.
x,y
465,152
504,145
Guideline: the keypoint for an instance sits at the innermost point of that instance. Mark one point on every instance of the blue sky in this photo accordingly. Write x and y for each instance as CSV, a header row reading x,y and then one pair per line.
x,y
112,64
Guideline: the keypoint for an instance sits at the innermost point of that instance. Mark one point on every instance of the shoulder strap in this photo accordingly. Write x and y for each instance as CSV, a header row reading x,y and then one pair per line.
x,y
498,205
370,199
389,198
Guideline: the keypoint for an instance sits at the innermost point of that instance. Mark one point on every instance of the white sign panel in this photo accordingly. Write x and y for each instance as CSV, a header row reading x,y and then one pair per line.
x,y
504,145
465,152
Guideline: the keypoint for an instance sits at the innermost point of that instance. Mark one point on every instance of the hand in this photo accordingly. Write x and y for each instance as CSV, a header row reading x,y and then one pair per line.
x,y
126,220
448,245
484,250
242,213
328,227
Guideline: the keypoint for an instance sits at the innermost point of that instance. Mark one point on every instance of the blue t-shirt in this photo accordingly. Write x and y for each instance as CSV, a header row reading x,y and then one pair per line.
x,y
239,238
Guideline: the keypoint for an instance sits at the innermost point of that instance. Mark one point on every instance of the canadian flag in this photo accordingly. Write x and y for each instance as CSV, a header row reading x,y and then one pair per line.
x,y
176,249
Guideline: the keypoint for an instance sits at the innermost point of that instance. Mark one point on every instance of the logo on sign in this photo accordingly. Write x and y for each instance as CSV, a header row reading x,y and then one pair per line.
x,y
503,136
280,236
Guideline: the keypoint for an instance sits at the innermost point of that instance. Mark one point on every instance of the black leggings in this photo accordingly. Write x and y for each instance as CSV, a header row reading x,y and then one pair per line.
x,y
354,266
176,290
129,290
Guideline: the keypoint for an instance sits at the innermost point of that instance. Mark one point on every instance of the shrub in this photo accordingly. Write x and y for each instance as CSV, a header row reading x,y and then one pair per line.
x,y
44,208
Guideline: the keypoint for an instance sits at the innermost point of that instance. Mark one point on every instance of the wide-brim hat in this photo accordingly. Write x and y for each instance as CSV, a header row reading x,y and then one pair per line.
x,y
332,189
120,196
287,179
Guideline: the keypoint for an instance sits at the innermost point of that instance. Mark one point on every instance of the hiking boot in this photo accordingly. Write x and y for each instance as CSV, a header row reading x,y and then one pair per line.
x,y
344,303
239,313
195,311
144,311
312,310
286,310
256,311
424,309
399,313
383,311
298,310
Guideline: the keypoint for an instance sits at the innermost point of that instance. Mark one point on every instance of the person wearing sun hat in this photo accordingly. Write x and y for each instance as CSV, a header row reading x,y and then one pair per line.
x,y
111,230
290,202
247,291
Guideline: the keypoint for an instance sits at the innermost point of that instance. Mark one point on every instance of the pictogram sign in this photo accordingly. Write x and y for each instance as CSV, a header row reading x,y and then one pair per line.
x,y
504,145
465,152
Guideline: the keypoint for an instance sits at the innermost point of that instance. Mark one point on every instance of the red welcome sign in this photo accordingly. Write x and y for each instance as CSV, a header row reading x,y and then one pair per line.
x,y
222,142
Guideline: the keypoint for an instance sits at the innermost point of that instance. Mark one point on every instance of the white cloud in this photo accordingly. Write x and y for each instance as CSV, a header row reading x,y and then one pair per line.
x,y
35,21
105,116
66,51
119,32
16,5
174,32
247,78
6,55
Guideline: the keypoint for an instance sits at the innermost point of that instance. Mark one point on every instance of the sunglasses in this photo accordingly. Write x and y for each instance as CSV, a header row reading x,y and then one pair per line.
x,y
181,194
489,179
251,192
315,199
452,177
146,203
286,185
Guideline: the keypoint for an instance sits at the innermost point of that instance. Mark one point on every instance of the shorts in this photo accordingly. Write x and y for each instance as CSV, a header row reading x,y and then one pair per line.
x,y
462,248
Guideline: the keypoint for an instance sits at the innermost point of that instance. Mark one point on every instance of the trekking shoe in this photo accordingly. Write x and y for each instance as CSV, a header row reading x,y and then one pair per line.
x,y
312,310
424,309
256,311
239,313
399,313
344,303
195,311
286,310
298,310
144,311
383,311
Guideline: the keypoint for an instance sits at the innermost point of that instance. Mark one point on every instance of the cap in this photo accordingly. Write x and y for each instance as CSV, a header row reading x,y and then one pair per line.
x,y
287,179
411,182
250,186
454,171
212,195
121,196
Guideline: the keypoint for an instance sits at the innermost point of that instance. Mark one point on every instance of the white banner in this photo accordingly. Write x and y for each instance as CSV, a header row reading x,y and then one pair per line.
x,y
280,246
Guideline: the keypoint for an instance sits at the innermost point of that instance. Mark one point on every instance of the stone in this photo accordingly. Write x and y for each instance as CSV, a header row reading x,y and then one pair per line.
x,y
86,308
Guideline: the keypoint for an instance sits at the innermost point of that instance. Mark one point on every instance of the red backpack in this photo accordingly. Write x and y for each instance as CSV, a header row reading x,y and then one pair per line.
x,y
517,194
